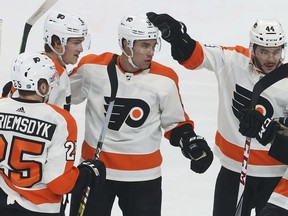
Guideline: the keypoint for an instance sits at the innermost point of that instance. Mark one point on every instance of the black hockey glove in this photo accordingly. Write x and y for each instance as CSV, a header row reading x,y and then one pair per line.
x,y
174,32
279,145
197,149
279,148
193,147
92,174
96,171
254,124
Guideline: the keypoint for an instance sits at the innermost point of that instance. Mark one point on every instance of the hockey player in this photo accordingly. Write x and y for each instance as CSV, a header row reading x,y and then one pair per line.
x,y
38,142
237,70
66,36
147,101
254,124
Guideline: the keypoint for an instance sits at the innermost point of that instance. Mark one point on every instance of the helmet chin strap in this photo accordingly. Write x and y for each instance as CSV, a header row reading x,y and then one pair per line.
x,y
45,97
131,62
61,60
130,58
59,54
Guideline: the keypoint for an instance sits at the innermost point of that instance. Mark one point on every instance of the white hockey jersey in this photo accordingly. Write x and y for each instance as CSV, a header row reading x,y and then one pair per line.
x,y
146,102
37,153
61,94
236,79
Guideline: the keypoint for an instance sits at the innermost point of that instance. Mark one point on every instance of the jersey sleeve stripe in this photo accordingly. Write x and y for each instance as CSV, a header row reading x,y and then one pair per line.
x,y
257,157
282,187
196,58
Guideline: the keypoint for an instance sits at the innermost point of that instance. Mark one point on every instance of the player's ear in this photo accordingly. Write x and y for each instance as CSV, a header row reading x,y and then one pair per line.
x,y
43,87
125,47
56,43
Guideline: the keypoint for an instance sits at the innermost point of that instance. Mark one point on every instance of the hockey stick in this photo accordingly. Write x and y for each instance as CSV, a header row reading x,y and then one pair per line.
x,y
31,21
28,25
268,80
114,86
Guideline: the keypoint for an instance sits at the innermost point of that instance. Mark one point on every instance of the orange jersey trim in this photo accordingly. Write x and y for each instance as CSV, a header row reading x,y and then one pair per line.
x,y
60,69
167,134
37,197
257,157
64,183
238,49
124,161
196,58
282,187
88,152
131,162
71,173
102,59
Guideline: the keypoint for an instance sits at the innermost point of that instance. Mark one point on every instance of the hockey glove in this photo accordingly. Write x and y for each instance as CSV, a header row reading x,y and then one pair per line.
x,y
279,145
92,174
197,149
193,147
279,148
95,172
254,124
174,32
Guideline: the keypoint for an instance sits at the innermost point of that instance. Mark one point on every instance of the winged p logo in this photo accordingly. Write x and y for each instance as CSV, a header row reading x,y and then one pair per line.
x,y
133,112
242,99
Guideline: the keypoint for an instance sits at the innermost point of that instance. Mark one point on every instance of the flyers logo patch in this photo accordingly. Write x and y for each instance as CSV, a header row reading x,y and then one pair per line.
x,y
132,112
242,99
